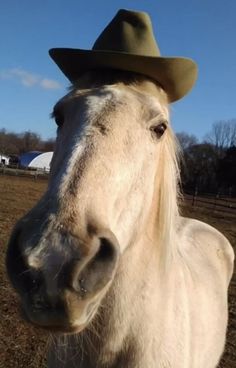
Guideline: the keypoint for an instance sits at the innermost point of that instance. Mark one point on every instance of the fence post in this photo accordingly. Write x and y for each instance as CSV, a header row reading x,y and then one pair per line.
x,y
194,197
215,202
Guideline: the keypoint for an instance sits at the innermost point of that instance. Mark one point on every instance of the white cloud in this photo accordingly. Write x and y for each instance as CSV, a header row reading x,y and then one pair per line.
x,y
26,78
49,84
29,79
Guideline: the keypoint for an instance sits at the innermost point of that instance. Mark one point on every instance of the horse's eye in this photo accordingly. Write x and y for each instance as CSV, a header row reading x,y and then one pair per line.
x,y
59,120
159,129
58,116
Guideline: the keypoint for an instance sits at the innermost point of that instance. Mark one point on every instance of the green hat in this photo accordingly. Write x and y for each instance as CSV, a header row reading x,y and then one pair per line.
x,y
128,43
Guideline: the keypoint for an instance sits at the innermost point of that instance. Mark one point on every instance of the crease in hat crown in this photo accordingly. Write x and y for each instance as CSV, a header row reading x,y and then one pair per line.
x,y
129,32
128,43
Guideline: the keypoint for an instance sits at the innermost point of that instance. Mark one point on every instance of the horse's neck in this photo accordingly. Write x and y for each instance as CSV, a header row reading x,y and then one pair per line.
x,y
117,334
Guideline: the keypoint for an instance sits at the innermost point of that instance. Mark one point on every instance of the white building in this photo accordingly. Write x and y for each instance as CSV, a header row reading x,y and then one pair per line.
x,y
36,160
4,160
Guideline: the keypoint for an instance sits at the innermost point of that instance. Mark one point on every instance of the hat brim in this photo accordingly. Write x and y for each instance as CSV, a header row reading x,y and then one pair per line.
x,y
176,75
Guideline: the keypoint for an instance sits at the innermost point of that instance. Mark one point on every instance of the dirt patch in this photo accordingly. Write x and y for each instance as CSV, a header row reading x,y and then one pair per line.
x,y
22,346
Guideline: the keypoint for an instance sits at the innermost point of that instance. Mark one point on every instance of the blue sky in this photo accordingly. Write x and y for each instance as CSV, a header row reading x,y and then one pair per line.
x,y
30,83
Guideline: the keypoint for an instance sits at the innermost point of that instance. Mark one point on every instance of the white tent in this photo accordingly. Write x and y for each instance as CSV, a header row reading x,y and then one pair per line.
x,y
42,161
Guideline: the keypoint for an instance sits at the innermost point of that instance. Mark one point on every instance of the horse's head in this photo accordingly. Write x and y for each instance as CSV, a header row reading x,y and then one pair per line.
x,y
110,174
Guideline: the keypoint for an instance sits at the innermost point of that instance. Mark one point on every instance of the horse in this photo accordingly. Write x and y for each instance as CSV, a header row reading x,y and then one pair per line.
x,y
105,261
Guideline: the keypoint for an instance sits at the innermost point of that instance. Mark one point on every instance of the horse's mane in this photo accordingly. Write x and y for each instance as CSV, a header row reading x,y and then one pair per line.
x,y
168,193
168,173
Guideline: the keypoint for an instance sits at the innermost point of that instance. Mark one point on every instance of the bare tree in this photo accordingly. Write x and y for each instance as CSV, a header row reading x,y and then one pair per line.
x,y
9,142
222,134
30,141
186,140
17,143
3,141
48,145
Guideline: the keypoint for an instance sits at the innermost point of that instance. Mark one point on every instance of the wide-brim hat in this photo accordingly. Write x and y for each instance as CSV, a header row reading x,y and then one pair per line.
x,y
128,44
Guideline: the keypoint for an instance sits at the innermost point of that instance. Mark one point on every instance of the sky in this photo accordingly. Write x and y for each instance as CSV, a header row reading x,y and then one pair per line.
x,y
31,83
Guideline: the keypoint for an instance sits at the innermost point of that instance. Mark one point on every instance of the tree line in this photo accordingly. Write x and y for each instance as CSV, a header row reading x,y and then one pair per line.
x,y
210,166
17,143
206,166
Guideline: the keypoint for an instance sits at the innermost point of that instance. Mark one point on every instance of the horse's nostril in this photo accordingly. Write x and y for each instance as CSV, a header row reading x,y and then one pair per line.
x,y
106,251
99,270
39,303
17,268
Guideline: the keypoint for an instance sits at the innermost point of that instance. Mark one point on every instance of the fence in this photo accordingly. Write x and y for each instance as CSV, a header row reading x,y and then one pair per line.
x,y
26,173
212,201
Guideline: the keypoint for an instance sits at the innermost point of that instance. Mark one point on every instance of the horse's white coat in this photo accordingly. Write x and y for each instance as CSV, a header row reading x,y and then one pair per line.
x,y
170,314
177,319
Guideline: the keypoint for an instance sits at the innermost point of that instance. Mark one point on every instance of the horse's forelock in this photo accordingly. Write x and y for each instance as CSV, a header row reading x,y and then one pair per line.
x,y
98,78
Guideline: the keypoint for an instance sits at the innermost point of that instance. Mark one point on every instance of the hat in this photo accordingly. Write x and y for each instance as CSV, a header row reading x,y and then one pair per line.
x,y
128,44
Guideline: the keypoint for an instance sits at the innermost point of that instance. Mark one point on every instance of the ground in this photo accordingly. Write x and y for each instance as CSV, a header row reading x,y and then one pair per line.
x,y
21,345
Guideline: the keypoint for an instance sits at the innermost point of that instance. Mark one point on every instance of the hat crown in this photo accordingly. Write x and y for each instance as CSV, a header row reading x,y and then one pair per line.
x,y
129,32
128,44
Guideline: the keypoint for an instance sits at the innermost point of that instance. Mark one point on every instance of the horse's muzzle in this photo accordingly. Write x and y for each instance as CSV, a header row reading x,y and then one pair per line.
x,y
62,279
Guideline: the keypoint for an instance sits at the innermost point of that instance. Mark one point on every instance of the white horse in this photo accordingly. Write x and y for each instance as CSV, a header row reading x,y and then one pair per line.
x,y
104,257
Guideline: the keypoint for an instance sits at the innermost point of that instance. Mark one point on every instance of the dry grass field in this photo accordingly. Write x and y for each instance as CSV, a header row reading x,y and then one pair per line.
x,y
23,346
